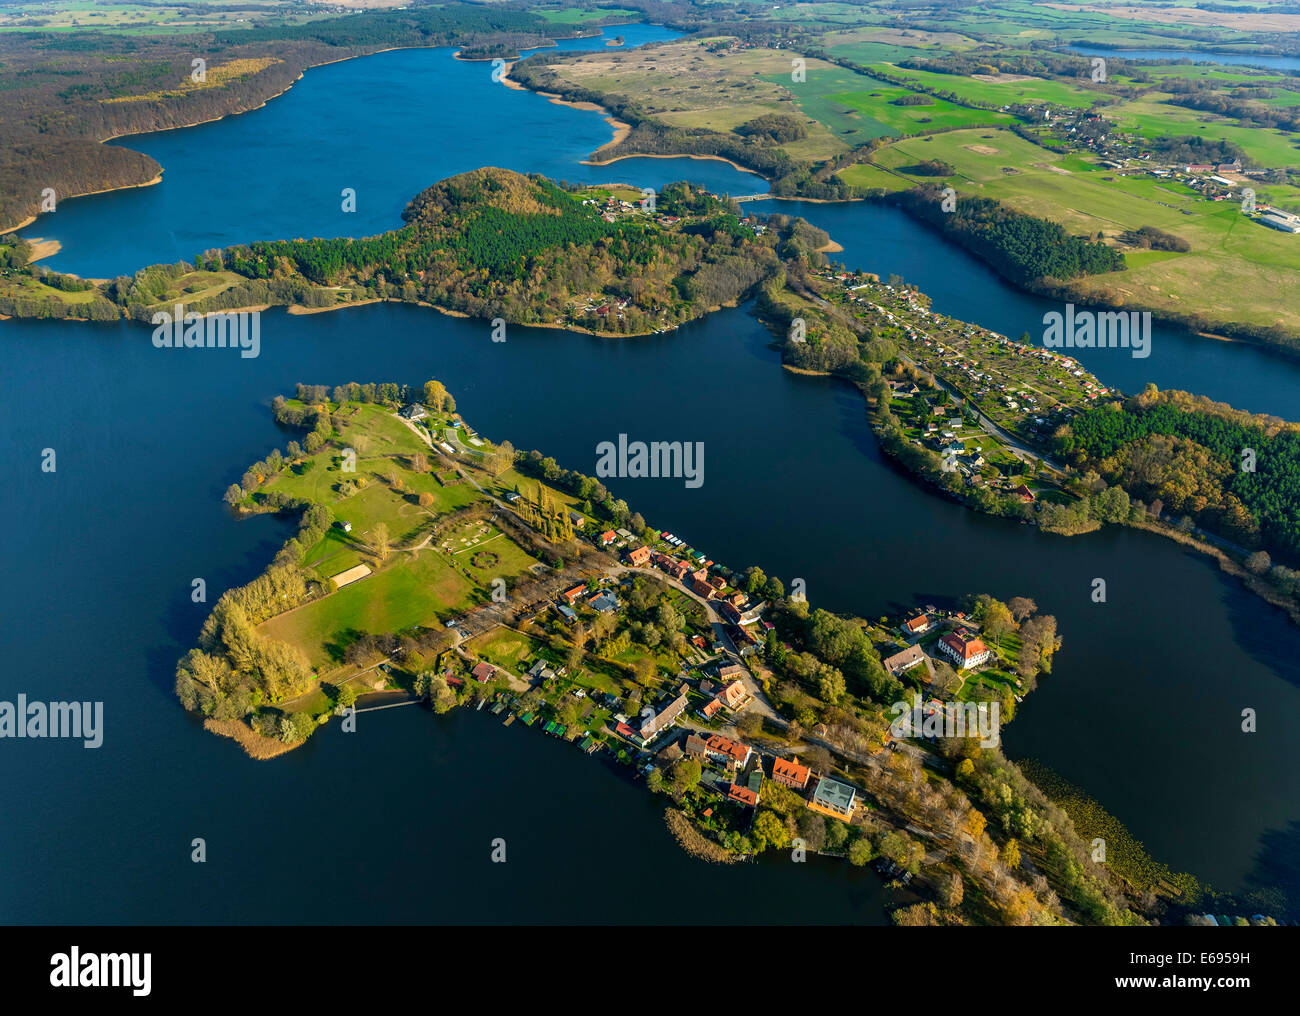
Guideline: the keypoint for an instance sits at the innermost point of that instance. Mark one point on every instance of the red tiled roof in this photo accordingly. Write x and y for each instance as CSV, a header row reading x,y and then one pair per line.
x,y
965,648
743,794
790,772
726,746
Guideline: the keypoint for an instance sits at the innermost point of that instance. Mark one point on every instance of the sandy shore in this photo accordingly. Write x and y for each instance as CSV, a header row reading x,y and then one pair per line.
x,y
634,155
42,248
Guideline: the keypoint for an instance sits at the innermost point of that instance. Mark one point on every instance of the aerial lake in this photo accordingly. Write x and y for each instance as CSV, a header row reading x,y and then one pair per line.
x,y
394,822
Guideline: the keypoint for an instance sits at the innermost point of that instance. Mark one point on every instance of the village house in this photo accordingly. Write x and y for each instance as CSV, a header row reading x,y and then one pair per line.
x,y
695,745
904,661
603,602
653,724
727,752
791,773
607,537
731,672
572,596
834,798
964,652
918,625
742,795
483,672
733,695
638,557
710,709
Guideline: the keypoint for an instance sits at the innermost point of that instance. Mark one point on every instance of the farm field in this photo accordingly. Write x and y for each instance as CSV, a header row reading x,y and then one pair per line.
x,y
1002,90
858,108
1235,268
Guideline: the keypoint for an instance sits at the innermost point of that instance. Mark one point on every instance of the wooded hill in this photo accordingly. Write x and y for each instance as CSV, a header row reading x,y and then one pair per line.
x,y
1232,473
490,243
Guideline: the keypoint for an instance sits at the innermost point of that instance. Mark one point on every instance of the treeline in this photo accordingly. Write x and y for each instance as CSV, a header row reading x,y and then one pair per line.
x,y
1151,238
1195,150
1021,247
1248,107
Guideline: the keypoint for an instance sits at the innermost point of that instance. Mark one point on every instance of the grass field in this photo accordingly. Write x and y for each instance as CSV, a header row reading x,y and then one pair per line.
x,y
1236,269
420,590
425,578
1002,90
577,16
857,108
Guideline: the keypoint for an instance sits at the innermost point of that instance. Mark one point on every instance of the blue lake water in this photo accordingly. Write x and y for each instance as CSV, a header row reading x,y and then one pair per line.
x,y
1270,60
1142,709
386,126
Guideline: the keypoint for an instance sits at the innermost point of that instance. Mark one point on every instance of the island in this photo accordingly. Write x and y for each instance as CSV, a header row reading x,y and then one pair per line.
x,y
433,565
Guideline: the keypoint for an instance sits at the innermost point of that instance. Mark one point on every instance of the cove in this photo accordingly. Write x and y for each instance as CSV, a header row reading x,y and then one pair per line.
x,y
387,125
1142,709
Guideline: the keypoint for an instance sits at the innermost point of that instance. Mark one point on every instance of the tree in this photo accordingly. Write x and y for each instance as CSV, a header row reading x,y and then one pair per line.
x,y
1011,854
995,617
770,831
234,494
1021,607
830,686
812,829
951,890
1259,562
425,499
655,781
861,852
381,541
685,774
434,394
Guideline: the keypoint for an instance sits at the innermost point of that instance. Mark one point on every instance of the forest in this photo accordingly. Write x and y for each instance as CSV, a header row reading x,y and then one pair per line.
x,y
1232,474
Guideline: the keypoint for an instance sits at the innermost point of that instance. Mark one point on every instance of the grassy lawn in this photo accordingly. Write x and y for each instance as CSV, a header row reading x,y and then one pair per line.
x,y
506,649
23,287
577,16
1001,90
418,589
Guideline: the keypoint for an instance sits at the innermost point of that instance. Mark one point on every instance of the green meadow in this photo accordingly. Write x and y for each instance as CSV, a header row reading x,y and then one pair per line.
x,y
1236,269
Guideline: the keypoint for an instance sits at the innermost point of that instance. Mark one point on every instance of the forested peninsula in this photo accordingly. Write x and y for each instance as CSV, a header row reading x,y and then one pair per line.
x,y
489,243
